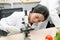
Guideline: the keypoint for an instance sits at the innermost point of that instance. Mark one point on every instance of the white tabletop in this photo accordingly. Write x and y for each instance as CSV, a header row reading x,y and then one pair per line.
x,y
34,35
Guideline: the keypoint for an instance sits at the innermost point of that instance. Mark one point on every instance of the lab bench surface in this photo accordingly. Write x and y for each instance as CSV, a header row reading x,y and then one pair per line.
x,y
34,35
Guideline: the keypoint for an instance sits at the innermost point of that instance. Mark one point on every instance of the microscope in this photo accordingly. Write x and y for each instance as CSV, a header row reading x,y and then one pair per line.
x,y
27,28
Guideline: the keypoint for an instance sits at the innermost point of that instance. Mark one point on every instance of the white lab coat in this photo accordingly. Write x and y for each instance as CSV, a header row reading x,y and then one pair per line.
x,y
13,23
52,5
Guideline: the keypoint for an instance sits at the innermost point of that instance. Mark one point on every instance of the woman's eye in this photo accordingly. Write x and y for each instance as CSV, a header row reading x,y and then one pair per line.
x,y
37,17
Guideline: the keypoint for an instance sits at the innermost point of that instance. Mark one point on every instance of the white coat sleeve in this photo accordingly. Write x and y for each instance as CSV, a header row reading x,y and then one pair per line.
x,y
52,6
4,24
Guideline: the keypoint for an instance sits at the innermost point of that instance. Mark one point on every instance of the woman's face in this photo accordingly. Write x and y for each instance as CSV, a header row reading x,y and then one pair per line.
x,y
35,17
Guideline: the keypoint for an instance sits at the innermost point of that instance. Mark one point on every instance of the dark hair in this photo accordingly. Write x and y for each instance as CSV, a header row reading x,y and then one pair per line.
x,y
40,9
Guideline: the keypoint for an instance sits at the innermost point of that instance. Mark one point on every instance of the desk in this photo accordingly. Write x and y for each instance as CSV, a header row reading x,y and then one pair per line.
x,y
13,37
34,35
41,34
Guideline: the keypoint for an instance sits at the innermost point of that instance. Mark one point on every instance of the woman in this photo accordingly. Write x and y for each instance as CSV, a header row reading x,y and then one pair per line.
x,y
36,18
